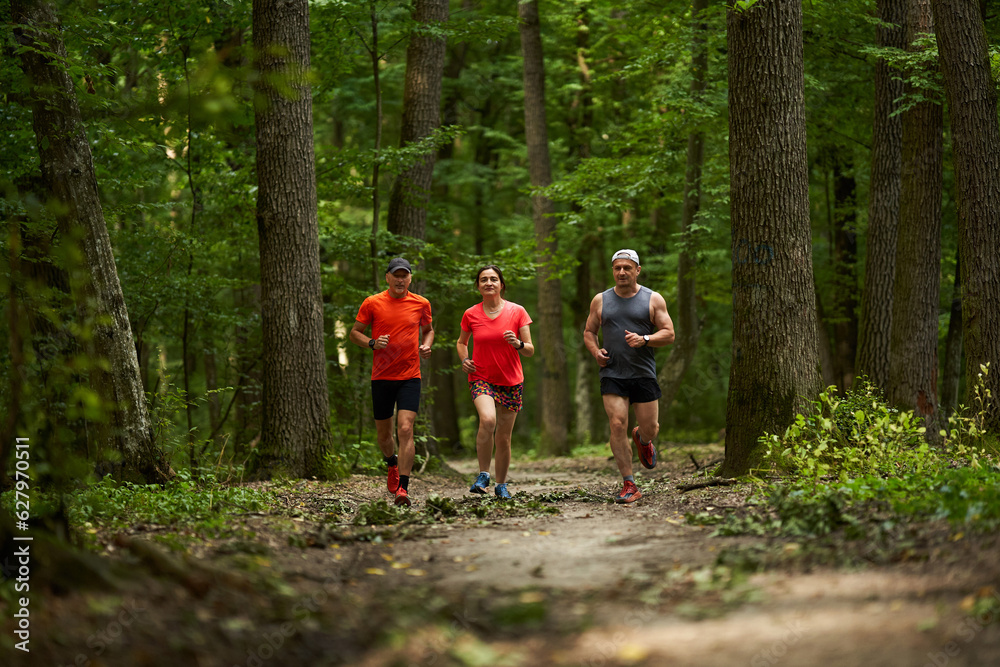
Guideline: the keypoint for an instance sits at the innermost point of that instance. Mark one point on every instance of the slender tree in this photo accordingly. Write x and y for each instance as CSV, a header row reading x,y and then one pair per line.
x,y
295,430
883,203
686,315
555,382
951,368
775,362
913,368
69,177
972,106
425,58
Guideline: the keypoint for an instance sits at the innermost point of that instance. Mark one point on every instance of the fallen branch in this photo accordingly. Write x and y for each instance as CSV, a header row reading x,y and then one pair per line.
x,y
715,481
196,578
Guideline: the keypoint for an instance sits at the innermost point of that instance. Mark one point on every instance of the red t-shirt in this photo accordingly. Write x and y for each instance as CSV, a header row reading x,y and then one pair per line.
x,y
401,319
497,361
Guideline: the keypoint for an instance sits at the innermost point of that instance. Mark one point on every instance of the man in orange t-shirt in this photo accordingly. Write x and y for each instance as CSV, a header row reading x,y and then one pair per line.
x,y
401,335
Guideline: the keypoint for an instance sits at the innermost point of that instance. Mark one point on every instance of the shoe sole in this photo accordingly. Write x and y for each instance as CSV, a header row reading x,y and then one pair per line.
x,y
389,486
403,501
631,499
477,489
639,447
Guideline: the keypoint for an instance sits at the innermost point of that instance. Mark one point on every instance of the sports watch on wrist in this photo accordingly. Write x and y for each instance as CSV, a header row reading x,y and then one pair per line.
x,y
646,338
371,343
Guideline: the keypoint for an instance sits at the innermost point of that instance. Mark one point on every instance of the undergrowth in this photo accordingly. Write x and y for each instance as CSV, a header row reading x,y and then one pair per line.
x,y
859,469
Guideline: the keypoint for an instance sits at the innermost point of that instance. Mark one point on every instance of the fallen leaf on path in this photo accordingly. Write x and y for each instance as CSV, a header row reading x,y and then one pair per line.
x,y
375,570
416,573
387,557
400,566
631,653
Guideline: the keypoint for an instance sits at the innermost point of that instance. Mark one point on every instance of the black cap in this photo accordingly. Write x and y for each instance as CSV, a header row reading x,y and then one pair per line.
x,y
397,263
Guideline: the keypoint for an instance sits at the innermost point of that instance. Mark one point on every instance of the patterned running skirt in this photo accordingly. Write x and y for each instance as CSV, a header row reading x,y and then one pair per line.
x,y
509,397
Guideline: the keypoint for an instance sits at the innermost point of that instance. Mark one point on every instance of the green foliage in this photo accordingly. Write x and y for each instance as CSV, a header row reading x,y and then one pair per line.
x,y
858,467
205,502
858,434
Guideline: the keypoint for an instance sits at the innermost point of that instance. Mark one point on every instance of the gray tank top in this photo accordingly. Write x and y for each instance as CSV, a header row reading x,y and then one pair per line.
x,y
617,315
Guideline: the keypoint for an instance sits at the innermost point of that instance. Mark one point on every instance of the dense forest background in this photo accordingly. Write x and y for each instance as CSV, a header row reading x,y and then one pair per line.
x,y
635,99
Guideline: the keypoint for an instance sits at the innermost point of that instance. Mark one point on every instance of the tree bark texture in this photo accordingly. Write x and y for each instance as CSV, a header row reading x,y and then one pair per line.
x,y
883,204
425,58
775,362
972,107
688,327
68,174
913,369
295,430
554,391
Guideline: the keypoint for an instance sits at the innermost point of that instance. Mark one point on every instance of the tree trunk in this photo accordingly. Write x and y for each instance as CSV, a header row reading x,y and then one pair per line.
x,y
421,116
68,173
554,392
972,105
443,380
883,204
688,328
775,362
845,259
913,367
951,373
580,119
295,430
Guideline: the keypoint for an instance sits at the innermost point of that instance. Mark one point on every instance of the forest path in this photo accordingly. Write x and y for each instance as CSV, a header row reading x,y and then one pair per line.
x,y
557,577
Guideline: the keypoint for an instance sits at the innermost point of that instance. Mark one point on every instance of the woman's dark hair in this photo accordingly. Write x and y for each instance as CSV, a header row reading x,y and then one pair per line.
x,y
503,285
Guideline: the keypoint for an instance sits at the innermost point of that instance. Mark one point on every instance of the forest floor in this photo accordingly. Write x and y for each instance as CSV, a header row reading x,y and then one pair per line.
x,y
559,576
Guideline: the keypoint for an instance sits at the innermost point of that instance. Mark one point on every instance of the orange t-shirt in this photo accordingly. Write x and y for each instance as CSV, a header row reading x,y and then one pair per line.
x,y
401,319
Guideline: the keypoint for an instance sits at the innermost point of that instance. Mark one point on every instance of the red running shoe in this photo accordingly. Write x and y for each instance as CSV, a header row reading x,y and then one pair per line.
x,y
647,452
402,498
393,481
629,493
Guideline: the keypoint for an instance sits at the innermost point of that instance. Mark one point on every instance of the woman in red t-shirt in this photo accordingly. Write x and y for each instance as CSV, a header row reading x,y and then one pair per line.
x,y
501,333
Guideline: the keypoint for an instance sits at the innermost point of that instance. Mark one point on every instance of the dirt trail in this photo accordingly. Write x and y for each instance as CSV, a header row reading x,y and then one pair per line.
x,y
596,584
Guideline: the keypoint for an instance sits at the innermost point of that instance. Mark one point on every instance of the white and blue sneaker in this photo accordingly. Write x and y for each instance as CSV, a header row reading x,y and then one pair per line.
x,y
483,481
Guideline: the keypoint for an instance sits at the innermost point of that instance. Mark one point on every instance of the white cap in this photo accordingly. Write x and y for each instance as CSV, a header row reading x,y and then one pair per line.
x,y
626,253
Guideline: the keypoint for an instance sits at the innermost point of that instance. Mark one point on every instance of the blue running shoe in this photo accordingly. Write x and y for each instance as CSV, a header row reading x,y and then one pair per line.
x,y
483,481
501,491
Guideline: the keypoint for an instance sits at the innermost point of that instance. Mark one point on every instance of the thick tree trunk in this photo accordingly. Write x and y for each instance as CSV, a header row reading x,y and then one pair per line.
x,y
68,173
421,116
554,391
688,327
296,405
775,362
883,204
913,368
972,106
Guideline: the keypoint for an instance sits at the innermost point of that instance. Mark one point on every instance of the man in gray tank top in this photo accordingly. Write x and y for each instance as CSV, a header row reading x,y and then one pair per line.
x,y
625,323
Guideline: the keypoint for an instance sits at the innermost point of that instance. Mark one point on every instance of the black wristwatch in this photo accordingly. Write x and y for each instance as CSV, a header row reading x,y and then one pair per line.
x,y
371,343
522,345
646,338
